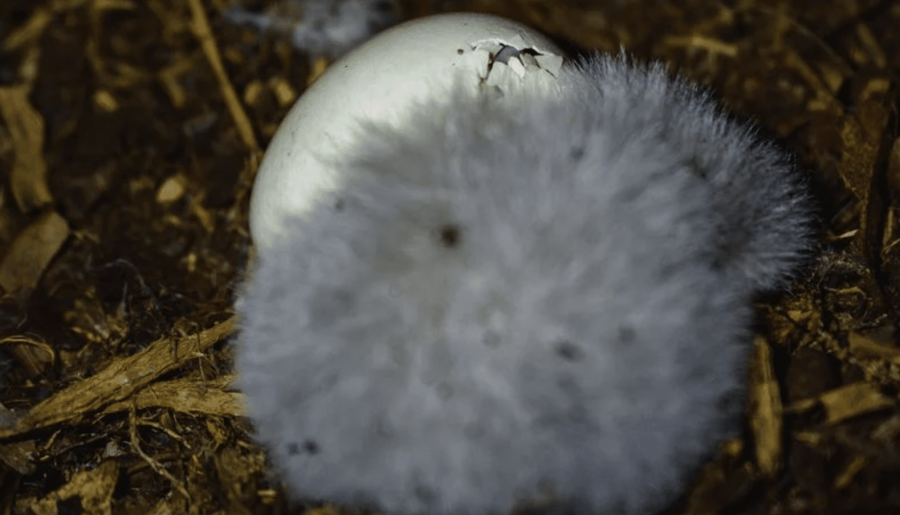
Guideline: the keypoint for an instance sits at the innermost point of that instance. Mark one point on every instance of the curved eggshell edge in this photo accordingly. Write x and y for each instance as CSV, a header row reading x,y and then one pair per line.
x,y
399,68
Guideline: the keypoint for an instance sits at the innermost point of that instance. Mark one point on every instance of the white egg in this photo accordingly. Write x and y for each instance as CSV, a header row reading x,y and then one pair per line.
x,y
380,81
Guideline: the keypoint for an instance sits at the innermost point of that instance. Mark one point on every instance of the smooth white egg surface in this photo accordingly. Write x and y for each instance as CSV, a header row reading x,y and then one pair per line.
x,y
380,81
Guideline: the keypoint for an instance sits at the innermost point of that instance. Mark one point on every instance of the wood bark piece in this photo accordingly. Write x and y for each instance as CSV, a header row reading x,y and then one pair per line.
x,y
32,251
93,488
119,380
765,409
28,178
186,396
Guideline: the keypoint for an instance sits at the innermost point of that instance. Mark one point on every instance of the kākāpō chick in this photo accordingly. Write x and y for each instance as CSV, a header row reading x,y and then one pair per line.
x,y
760,205
517,304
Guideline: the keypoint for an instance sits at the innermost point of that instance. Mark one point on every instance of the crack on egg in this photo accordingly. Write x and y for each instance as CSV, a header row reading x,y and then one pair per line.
x,y
507,64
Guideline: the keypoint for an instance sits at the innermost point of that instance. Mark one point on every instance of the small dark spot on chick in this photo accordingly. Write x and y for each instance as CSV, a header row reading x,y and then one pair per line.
x,y
568,351
491,339
308,447
449,235
339,205
460,51
425,494
695,167
384,428
577,152
626,334
444,391
474,430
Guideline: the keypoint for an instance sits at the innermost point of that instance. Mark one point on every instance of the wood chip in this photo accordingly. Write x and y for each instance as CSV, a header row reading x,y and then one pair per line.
x,y
119,380
866,346
853,400
171,190
765,409
186,396
20,456
93,488
32,251
28,178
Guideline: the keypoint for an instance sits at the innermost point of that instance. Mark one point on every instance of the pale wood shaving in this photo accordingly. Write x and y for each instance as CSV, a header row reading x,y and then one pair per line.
x,y
26,129
765,409
31,252
119,380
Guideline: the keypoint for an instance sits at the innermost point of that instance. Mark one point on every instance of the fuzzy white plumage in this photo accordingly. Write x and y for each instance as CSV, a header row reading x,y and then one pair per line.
x,y
522,304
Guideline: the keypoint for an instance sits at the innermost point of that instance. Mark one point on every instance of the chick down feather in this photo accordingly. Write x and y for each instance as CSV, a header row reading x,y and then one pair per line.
x,y
517,304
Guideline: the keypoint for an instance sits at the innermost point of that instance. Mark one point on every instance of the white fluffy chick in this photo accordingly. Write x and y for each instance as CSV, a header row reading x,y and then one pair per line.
x,y
517,306
760,205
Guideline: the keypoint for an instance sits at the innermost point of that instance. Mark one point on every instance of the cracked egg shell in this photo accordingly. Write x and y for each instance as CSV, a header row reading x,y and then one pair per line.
x,y
380,81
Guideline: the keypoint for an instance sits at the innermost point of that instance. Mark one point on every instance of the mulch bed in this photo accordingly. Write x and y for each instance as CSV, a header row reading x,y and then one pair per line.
x,y
130,132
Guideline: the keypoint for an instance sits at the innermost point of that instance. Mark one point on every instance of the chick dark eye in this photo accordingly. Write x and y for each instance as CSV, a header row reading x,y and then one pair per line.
x,y
449,235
